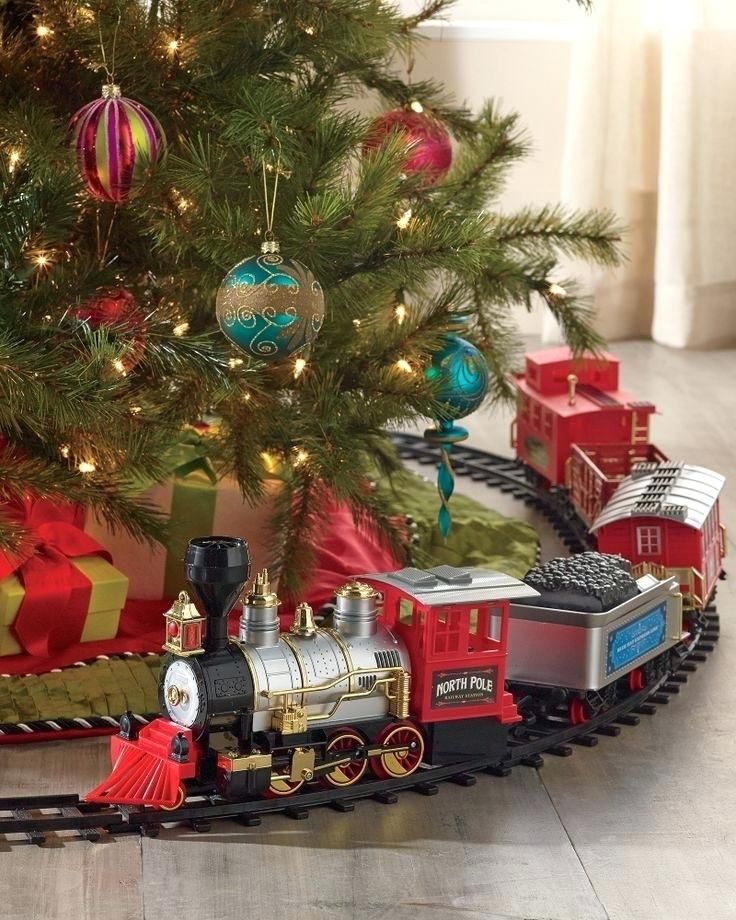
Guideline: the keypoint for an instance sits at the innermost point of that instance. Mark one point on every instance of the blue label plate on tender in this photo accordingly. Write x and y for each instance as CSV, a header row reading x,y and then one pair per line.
x,y
627,643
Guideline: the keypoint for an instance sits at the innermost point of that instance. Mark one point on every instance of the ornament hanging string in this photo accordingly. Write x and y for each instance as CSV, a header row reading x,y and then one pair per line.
x,y
109,71
271,205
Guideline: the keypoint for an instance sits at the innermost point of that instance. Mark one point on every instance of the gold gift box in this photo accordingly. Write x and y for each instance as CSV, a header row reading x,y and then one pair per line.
x,y
107,598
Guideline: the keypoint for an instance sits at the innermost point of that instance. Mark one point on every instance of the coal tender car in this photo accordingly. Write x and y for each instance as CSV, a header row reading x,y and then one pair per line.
x,y
592,635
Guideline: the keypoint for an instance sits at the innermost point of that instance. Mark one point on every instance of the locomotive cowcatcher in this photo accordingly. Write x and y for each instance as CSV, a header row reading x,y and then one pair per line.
x,y
412,671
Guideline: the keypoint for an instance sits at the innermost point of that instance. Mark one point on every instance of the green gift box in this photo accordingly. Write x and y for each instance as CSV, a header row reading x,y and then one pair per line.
x,y
196,504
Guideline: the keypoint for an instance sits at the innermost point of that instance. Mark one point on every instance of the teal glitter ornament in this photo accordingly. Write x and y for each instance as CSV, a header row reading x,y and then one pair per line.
x,y
460,374
270,306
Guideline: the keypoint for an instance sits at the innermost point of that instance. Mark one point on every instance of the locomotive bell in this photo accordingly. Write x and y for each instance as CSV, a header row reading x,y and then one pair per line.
x,y
356,610
259,624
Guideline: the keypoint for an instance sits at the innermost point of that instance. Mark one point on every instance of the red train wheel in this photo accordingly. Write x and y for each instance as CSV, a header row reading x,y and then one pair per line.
x,y
637,680
576,712
282,785
348,773
394,764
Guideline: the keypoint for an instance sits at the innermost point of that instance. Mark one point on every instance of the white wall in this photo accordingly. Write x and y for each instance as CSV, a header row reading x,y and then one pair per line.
x,y
517,51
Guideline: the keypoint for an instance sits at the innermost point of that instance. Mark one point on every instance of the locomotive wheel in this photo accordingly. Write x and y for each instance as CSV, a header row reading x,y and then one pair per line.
x,y
282,785
405,761
348,773
576,712
180,797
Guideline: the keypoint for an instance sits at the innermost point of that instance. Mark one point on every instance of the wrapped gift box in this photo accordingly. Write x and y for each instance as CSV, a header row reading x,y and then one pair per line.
x,y
94,583
196,504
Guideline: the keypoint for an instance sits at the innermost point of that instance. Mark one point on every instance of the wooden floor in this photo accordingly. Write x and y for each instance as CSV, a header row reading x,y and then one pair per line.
x,y
642,827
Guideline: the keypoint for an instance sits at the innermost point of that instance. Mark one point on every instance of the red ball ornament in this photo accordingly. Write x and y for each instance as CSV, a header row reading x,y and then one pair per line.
x,y
117,141
117,307
429,150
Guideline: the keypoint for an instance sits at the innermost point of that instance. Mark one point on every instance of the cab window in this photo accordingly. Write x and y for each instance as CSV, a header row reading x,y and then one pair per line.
x,y
406,611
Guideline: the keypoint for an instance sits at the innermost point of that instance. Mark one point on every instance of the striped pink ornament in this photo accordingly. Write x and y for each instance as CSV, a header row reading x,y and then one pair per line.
x,y
117,141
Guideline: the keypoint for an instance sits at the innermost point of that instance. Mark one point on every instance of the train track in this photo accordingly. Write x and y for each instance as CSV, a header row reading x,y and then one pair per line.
x,y
34,818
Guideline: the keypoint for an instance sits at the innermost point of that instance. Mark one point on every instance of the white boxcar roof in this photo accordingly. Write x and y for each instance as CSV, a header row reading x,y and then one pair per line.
x,y
448,584
671,491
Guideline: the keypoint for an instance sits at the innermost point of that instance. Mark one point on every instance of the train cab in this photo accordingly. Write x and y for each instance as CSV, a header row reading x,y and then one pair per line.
x,y
455,623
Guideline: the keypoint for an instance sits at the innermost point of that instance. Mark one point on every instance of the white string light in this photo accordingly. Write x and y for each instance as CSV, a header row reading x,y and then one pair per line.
x,y
181,328
403,221
86,466
403,365
299,366
400,312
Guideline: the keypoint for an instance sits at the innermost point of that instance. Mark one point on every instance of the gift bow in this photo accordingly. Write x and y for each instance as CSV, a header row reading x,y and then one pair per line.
x,y
54,608
190,453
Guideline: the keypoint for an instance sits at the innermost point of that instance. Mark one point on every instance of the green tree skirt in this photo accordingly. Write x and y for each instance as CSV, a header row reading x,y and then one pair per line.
x,y
479,535
105,687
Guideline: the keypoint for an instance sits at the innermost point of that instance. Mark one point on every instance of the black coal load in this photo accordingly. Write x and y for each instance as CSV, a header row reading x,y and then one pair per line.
x,y
589,582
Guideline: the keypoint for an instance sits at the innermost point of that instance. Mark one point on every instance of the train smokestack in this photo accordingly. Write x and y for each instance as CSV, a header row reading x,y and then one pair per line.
x,y
217,570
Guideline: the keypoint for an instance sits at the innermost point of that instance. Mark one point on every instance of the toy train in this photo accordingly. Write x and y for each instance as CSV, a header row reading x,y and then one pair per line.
x,y
418,668
577,430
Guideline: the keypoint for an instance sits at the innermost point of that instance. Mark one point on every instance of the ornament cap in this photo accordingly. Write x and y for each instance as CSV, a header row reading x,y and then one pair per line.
x,y
270,247
111,91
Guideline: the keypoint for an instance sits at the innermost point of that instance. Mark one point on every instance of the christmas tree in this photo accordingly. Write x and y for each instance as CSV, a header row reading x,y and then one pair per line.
x,y
109,338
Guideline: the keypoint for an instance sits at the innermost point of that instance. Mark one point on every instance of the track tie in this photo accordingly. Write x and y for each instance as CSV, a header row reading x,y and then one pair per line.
x,y
201,825
86,833
628,718
610,731
296,813
711,636
688,666
678,678
560,750
705,647
585,740
426,788
344,806
499,770
646,709
386,798
533,760
671,688
33,836
464,779
698,656
248,820
661,699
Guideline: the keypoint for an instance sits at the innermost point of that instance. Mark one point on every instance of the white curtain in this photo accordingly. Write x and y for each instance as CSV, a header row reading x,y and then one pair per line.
x,y
651,134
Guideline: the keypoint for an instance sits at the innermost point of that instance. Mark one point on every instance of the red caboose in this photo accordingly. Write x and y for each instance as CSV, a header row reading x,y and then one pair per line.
x,y
665,518
563,401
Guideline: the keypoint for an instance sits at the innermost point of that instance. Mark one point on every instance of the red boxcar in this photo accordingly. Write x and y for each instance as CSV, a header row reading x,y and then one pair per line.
x,y
594,471
455,623
564,401
666,518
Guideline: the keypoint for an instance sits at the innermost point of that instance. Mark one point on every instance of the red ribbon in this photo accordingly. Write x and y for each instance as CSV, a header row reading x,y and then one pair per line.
x,y
57,595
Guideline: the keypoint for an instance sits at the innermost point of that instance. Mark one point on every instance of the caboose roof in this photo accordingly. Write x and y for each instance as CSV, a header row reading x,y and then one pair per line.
x,y
448,584
671,491
588,399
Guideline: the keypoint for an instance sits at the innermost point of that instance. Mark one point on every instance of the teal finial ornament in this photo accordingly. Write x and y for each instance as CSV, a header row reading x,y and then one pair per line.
x,y
460,374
